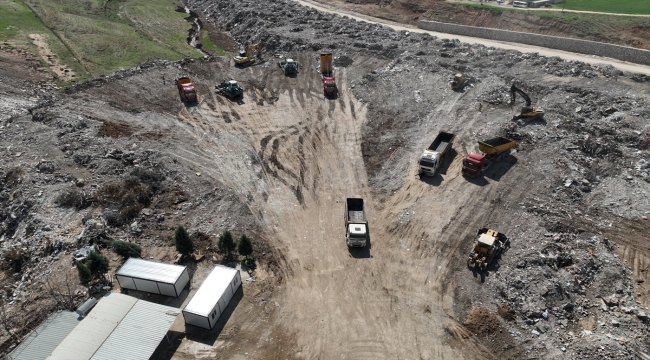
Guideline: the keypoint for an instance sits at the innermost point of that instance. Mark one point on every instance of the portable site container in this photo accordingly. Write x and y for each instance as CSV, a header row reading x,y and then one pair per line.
x,y
212,298
152,277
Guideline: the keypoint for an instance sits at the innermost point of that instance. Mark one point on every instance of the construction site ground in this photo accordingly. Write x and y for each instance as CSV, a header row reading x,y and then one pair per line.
x,y
278,164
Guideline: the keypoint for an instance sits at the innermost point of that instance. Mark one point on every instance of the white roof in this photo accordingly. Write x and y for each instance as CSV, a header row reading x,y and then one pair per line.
x,y
210,291
289,60
431,155
486,239
232,82
358,229
119,327
151,270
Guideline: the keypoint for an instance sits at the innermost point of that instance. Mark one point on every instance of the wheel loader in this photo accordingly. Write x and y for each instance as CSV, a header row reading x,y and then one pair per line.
x,y
460,81
489,245
288,66
230,89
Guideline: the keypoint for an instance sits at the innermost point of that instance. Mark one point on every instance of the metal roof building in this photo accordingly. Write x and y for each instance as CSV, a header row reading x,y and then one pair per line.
x,y
213,296
152,277
119,327
47,336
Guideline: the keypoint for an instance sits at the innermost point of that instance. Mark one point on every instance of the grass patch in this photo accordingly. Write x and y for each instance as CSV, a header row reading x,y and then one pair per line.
x,y
384,10
98,37
210,45
608,6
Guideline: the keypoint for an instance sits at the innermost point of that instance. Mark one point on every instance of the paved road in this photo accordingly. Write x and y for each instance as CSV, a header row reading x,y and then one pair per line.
x,y
590,59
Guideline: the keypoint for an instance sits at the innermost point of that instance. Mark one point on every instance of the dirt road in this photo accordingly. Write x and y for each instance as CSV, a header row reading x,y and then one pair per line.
x,y
622,65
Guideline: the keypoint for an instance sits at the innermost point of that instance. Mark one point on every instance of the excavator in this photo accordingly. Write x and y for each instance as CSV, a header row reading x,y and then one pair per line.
x,y
460,81
243,57
527,111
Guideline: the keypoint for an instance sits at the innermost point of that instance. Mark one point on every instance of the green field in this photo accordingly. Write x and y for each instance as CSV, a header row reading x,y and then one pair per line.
x,y
98,36
609,6
210,45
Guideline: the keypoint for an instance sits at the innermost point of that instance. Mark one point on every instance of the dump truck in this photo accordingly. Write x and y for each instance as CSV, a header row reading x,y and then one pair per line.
x,y
186,89
327,74
230,89
356,224
489,244
288,66
490,151
433,156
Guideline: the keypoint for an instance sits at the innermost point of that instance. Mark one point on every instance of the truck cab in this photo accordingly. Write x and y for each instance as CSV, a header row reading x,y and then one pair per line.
x,y
357,235
329,86
429,162
473,164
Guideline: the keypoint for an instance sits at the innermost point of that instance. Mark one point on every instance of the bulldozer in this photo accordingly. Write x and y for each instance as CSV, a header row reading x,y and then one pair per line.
x,y
460,81
527,111
230,89
489,245
288,66
244,56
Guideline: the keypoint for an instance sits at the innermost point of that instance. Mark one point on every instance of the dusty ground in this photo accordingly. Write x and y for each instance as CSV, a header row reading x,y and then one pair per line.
x,y
278,164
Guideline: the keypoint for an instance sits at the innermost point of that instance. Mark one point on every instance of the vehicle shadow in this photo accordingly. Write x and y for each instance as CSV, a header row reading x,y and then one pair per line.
x,y
496,171
523,121
237,100
250,64
437,179
361,252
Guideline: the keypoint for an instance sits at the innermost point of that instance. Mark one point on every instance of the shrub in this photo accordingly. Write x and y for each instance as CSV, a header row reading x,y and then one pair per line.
x,y
14,259
71,198
127,249
184,243
97,264
85,276
245,247
226,242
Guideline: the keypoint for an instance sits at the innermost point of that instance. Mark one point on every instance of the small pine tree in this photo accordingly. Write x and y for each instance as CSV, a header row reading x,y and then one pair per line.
x,y
244,247
85,276
184,243
97,264
127,249
226,243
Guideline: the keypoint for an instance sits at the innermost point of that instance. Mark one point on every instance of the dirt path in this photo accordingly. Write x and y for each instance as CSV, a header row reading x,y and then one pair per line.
x,y
62,71
590,59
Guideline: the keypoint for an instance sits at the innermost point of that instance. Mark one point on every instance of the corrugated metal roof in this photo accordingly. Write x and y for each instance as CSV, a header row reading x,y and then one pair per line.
x,y
91,333
47,336
119,327
211,290
139,333
151,270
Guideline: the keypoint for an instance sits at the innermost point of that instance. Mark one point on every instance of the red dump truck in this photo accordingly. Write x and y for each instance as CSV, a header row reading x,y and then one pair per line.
x,y
186,89
490,152
327,73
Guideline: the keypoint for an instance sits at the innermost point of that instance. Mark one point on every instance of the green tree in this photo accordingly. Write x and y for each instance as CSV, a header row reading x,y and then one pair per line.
x,y
127,249
226,243
184,243
245,247
85,276
97,264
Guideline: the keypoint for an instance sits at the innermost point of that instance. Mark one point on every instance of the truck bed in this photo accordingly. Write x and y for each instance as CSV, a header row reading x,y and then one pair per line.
x,y
356,213
496,145
441,142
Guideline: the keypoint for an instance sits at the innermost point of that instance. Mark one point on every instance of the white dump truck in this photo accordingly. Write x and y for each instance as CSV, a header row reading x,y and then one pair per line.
x,y
432,156
356,224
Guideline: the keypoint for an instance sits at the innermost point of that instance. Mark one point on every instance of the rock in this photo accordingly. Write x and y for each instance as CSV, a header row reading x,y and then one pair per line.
x,y
568,307
615,322
535,332
521,264
80,182
642,316
95,231
146,212
612,300
160,217
626,309
135,228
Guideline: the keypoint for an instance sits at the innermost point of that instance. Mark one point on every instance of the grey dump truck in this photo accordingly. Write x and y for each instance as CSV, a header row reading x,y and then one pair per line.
x,y
433,156
356,224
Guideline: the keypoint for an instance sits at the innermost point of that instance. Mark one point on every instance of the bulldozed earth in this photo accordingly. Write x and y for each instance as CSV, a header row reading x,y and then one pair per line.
x,y
120,157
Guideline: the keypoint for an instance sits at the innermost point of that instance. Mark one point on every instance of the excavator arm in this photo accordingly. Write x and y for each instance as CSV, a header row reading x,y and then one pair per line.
x,y
257,46
513,90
